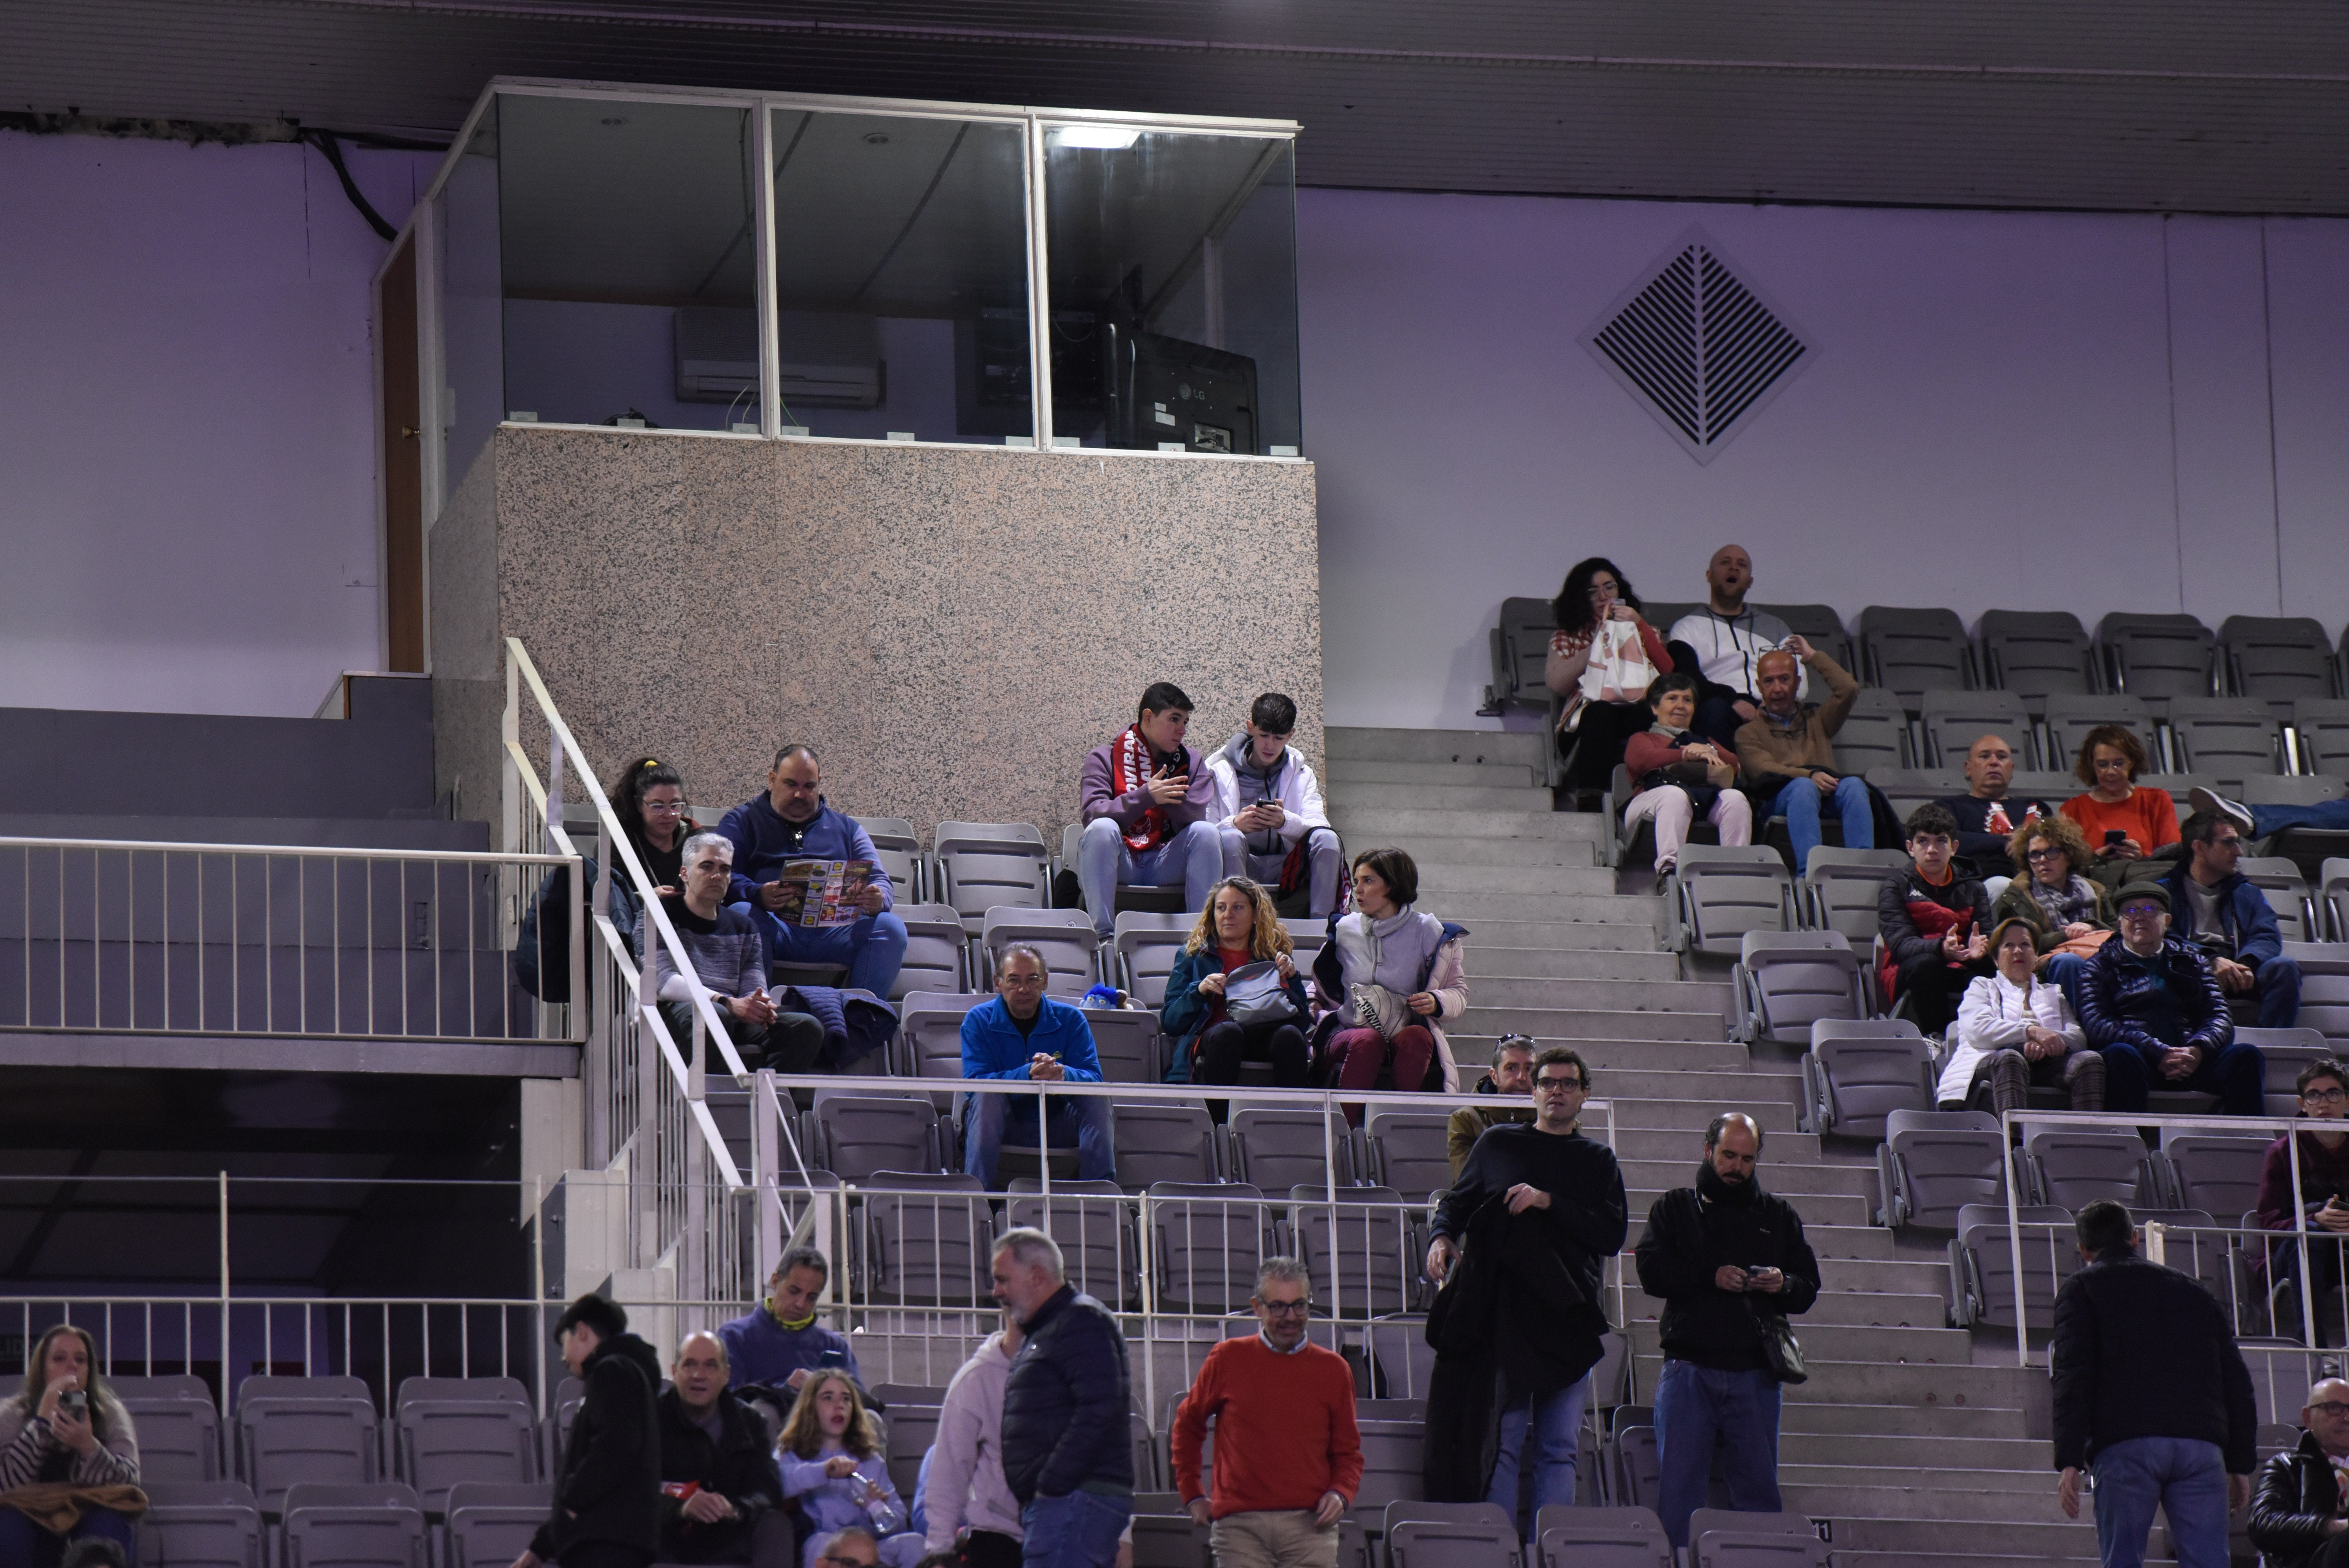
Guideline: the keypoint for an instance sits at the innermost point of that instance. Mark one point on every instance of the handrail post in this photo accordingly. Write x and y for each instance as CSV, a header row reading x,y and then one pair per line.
x,y
223,1300
2299,1241
2013,1235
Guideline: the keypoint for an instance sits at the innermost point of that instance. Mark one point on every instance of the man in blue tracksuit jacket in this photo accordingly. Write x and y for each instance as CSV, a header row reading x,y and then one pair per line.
x,y
791,822
2208,897
1024,1034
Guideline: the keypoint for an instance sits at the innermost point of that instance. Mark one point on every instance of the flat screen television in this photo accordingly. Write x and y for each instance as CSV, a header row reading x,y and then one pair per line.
x,y
1162,389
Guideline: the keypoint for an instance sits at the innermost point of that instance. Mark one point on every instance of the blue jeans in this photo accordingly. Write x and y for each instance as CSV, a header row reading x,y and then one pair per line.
x,y
1196,857
2267,819
1699,1410
1798,802
874,948
2187,1477
2235,1075
1322,856
1544,1431
25,1544
2276,983
1079,1531
988,1117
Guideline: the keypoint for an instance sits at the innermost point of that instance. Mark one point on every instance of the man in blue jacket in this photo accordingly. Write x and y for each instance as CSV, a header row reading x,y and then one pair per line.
x,y
2218,910
791,822
2151,1004
1026,1036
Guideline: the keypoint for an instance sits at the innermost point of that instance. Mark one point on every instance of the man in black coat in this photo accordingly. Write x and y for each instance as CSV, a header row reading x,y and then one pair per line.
x,y
1543,1210
2296,1518
2152,1395
717,1445
1730,1262
1067,1454
607,1496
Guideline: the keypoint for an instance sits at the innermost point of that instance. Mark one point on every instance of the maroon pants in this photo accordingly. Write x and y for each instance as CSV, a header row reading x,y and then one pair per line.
x,y
1360,1053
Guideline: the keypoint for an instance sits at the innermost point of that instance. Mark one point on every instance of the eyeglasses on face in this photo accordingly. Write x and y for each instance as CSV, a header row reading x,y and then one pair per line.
x,y
2045,852
2143,911
2334,1408
1285,1308
671,808
2324,1095
1558,1085
1023,982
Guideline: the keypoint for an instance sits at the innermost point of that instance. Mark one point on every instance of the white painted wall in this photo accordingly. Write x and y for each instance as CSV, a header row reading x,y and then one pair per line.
x,y
2018,410
187,447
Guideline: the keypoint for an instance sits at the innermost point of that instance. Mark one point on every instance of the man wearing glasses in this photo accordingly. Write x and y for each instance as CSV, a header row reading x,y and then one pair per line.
x,y
1289,1457
2214,906
2323,1134
1537,1212
1025,1035
2151,1004
2296,1502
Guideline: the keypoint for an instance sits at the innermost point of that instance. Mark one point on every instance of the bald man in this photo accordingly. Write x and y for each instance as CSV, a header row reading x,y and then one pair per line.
x,y
714,1442
1987,816
2296,1503
1726,638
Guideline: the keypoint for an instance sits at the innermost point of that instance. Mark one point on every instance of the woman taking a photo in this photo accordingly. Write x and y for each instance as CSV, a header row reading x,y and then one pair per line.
x,y
1239,927
1679,775
1390,972
66,1429
1594,731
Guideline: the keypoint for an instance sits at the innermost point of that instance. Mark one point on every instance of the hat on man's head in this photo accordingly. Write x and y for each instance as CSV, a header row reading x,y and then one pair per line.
x,y
2152,891
607,1319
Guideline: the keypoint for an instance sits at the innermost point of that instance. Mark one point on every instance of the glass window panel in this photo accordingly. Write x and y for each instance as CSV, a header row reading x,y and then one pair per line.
x,y
629,263
466,225
1173,260
901,277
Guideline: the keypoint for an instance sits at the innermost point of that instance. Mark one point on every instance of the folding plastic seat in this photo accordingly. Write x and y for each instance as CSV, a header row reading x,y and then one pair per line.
x,y
2156,656
1210,1239
2035,654
1094,1223
855,1136
1169,1540
1635,1467
325,1432
2072,1167
1410,1150
1859,1071
555,1430
1787,981
443,1441
1615,1537
2287,894
1839,892
1161,1142
1126,1041
1953,720
1722,892
2228,737
1278,1147
1146,946
352,1526
1518,642
1065,937
1368,1235
1719,1538
1392,1466
926,1239
1912,652
178,1439
929,1035
2215,1173
1932,1163
934,951
1400,1358
2279,660
2323,989
483,1535
216,1524
2069,719
1145,1444
2323,731
979,865
1984,1263
1906,789
2332,897
912,1429
899,849
1451,1535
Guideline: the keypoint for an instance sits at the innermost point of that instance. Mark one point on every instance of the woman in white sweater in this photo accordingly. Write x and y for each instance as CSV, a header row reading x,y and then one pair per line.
x,y
2015,1032
66,1433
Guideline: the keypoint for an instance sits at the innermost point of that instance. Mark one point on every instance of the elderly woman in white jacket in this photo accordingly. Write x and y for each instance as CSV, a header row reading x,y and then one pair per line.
x,y
2015,1032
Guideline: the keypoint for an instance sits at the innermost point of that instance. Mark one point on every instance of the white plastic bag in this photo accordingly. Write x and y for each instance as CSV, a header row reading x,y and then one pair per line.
x,y
1618,670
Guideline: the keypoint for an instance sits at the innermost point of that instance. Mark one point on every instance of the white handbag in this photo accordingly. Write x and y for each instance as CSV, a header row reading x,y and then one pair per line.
x,y
1618,670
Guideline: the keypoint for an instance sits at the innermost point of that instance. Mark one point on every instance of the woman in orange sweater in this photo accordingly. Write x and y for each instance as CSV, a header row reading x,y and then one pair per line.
x,y
2110,760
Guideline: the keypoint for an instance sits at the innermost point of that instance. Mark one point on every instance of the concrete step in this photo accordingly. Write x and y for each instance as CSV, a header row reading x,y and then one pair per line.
x,y
1921,1451
1639,1081
1556,934
1472,909
1885,1276
1597,1023
1946,1560
1571,963
1636,1139
1602,1055
1848,1342
1348,792
1931,1423
1486,775
1438,883
1999,1538
1925,1502
1780,1176
1365,827
1705,997
1945,1476
1346,742
1438,852
1915,1383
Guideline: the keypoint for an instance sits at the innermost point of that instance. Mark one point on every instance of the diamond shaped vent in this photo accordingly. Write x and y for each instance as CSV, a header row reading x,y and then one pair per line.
x,y
1698,347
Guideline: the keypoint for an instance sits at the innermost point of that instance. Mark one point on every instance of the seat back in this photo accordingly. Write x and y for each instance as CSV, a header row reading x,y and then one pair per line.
x,y
1520,646
1906,789
2332,895
2228,737
477,1390
934,951
2287,894
929,1039
1093,1224
927,1239
2035,654
1724,892
2073,1166
1875,734
1279,1147
2194,1245
285,1440
211,1530
2324,988
856,1136
1161,1142
1146,946
1210,1242
1865,1069
1392,1468
1789,980
2049,1258
2069,719
912,1429
1615,1537
178,1439
1410,1150
1942,1161
353,1535
2156,656
1745,1546
1127,1043
2323,730
1953,720
1400,1358
1359,1248
1821,626
1636,1471
972,882
1065,936
1912,652
1840,888
1467,1536
2214,1173
491,1536
444,1442
2278,659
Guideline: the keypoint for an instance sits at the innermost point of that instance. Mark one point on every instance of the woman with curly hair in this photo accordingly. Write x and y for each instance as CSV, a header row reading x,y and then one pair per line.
x,y
2110,760
2070,916
64,1430
1596,591
836,1474
1239,927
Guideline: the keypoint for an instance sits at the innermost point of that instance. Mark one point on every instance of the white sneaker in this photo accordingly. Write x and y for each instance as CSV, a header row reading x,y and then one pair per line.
x,y
2235,811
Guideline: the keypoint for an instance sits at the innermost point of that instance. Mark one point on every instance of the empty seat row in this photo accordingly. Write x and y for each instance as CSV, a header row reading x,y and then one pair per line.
x,y
382,1524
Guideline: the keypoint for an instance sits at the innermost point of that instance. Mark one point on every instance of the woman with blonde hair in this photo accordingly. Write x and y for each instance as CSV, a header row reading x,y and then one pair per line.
x,y
1238,934
65,1430
836,1474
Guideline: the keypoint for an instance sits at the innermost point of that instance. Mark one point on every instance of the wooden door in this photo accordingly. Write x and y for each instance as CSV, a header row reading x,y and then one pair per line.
x,y
403,459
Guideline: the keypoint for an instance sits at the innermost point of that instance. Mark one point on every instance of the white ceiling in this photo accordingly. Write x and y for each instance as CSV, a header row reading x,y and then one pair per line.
x,y
2207,104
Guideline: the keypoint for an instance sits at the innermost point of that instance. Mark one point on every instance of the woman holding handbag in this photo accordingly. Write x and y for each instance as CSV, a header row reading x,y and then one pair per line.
x,y
1680,775
1392,974
1235,995
1602,659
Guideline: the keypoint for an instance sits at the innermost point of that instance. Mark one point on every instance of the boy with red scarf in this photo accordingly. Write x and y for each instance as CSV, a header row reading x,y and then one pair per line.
x,y
1146,803
1935,924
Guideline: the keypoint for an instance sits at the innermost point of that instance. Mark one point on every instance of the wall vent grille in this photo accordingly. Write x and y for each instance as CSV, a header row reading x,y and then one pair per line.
x,y
1698,347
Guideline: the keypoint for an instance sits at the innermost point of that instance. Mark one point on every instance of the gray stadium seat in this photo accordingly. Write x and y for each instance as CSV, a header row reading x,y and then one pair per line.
x,y
1169,1540
212,1525
1617,1537
2231,738
2323,989
1953,721
2196,1247
1279,1147
1821,626
1983,1265
2332,897
1787,981
1859,1071
178,1439
1370,1234
1393,1470
926,1239
1635,1467
1146,946
1875,734
1144,1443
490,1534
2069,719
379,1526
977,865
853,1136
930,1038
2278,659
1906,789
2323,731
1065,937
163,1386
2156,656
1720,892
1518,642
1932,1163
1451,1535
2216,1172
284,1439
912,1429
1750,1540
2287,894
1839,889
1161,1142
2035,654
1400,1353
477,1390
1409,1150
2072,1167
1127,1043
1912,652
934,959
1209,1241
899,851
1094,1223
440,1442
2306,848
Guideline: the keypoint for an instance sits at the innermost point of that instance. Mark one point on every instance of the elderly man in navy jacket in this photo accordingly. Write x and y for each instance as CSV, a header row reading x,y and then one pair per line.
x,y
2148,1001
791,822
2217,908
1025,1034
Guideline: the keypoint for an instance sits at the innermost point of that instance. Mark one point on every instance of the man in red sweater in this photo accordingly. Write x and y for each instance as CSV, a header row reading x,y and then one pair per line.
x,y
1289,1458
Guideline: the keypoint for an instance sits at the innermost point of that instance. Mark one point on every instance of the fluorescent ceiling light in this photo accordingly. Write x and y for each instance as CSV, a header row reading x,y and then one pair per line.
x,y
1108,138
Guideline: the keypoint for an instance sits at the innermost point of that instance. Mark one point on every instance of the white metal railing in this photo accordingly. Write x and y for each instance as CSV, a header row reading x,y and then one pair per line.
x,y
127,936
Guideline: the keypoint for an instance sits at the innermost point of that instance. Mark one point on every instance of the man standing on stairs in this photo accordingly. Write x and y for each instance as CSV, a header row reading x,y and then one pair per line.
x,y
2151,1397
1726,1257
1531,1222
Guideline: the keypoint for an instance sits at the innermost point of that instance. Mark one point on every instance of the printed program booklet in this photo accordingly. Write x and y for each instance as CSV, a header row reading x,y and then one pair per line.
x,y
823,893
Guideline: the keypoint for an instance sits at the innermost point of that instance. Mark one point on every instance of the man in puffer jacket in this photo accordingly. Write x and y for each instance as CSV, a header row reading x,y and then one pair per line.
x,y
607,1493
2151,1004
1067,1451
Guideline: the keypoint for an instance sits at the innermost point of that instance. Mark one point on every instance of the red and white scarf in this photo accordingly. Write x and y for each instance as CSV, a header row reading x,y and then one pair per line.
x,y
1129,768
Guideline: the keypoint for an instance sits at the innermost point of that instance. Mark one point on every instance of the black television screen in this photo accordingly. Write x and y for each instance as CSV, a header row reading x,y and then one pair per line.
x,y
1165,389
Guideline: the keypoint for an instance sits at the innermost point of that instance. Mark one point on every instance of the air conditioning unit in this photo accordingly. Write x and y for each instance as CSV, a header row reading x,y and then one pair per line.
x,y
830,358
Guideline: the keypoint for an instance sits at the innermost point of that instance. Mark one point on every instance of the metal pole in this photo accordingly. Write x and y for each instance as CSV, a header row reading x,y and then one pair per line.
x,y
224,1298
538,1284
2014,1235
2300,1240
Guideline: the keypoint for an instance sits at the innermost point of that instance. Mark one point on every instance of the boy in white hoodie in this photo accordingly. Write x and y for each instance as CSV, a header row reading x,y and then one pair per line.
x,y
1268,805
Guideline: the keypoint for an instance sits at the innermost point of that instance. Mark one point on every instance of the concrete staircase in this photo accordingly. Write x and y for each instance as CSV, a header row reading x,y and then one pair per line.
x,y
1910,1451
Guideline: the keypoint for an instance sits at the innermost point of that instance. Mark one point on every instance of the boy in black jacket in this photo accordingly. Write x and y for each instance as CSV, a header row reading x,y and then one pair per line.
x,y
1723,1255
607,1494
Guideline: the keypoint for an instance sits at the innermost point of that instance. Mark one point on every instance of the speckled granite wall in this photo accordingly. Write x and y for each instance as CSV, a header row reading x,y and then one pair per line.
x,y
951,629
